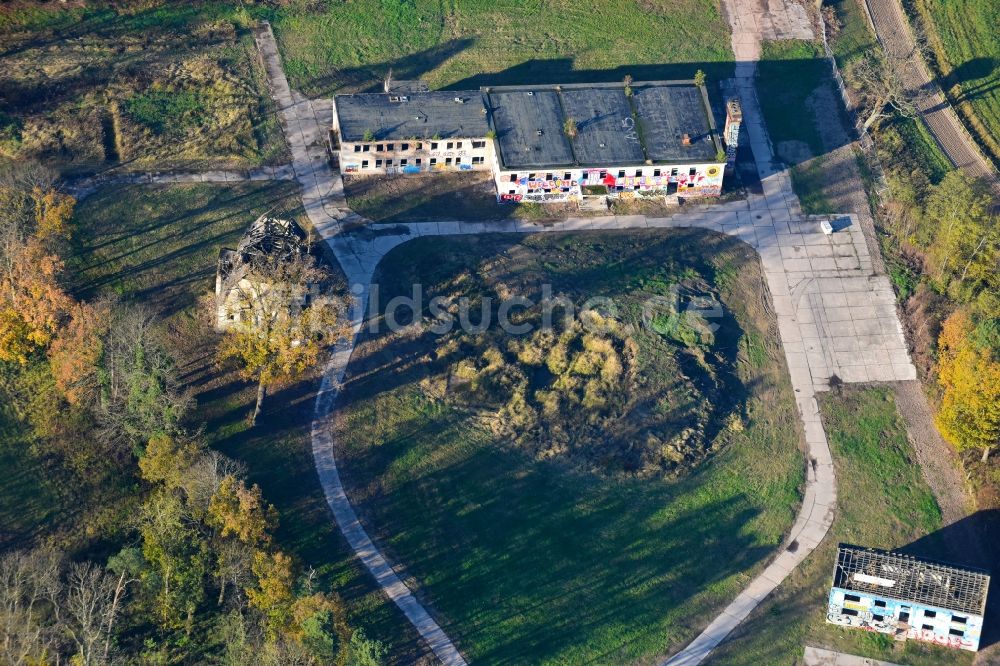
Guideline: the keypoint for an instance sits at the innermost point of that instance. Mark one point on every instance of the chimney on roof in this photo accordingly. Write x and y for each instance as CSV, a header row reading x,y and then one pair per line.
x,y
685,139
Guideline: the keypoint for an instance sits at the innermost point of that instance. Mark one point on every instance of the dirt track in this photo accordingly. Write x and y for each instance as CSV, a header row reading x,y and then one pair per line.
x,y
894,33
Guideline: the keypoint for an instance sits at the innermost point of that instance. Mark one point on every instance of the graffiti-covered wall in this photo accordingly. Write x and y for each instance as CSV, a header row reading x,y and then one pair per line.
x,y
904,620
416,156
700,180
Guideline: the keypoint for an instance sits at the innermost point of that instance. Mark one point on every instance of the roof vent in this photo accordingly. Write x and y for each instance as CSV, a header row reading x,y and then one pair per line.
x,y
539,132
404,98
393,98
459,100
531,92
603,145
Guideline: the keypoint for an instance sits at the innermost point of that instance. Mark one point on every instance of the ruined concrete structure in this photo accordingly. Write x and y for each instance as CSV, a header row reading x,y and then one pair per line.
x,y
908,597
267,239
548,143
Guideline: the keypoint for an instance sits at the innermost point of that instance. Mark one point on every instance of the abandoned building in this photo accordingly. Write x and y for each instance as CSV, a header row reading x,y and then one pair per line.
x,y
908,597
548,143
268,239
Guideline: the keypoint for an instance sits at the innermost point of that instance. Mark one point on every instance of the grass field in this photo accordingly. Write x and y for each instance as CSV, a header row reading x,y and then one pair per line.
x,y
966,42
352,45
883,502
809,181
158,245
789,72
532,553
178,85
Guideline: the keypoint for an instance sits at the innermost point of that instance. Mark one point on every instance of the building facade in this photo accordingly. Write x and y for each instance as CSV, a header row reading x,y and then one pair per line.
x,y
908,598
416,156
542,143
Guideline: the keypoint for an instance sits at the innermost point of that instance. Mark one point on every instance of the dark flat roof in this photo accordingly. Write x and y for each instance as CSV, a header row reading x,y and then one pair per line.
x,y
911,579
422,115
606,130
667,113
612,129
529,126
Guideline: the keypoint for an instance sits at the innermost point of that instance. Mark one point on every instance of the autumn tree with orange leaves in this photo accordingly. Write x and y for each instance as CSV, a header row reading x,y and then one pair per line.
x,y
969,374
34,224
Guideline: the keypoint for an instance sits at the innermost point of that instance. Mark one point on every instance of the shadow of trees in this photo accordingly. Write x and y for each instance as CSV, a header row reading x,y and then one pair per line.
x,y
527,560
969,542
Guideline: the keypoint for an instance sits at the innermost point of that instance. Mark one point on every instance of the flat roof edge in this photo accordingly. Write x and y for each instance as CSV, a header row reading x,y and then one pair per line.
x,y
584,86
602,165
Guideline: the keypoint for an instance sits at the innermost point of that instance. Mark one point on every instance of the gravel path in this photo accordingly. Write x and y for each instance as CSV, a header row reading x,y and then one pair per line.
x,y
940,467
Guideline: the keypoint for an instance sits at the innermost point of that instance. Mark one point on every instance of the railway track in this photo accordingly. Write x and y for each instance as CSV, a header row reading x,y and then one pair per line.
x,y
892,28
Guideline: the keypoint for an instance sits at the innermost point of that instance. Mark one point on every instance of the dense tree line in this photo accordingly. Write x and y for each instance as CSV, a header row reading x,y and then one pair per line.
x,y
194,572
945,239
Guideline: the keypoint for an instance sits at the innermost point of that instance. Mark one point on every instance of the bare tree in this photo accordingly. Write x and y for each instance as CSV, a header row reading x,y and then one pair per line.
x,y
29,596
233,569
884,78
202,479
91,605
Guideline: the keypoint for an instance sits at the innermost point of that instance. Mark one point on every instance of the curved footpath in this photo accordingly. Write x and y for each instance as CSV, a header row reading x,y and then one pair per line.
x,y
835,317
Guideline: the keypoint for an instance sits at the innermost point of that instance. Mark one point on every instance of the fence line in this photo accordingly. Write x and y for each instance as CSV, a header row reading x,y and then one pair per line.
x,y
864,137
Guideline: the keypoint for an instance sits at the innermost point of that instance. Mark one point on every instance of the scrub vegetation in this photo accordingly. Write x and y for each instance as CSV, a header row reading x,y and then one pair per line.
x,y
589,494
134,85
